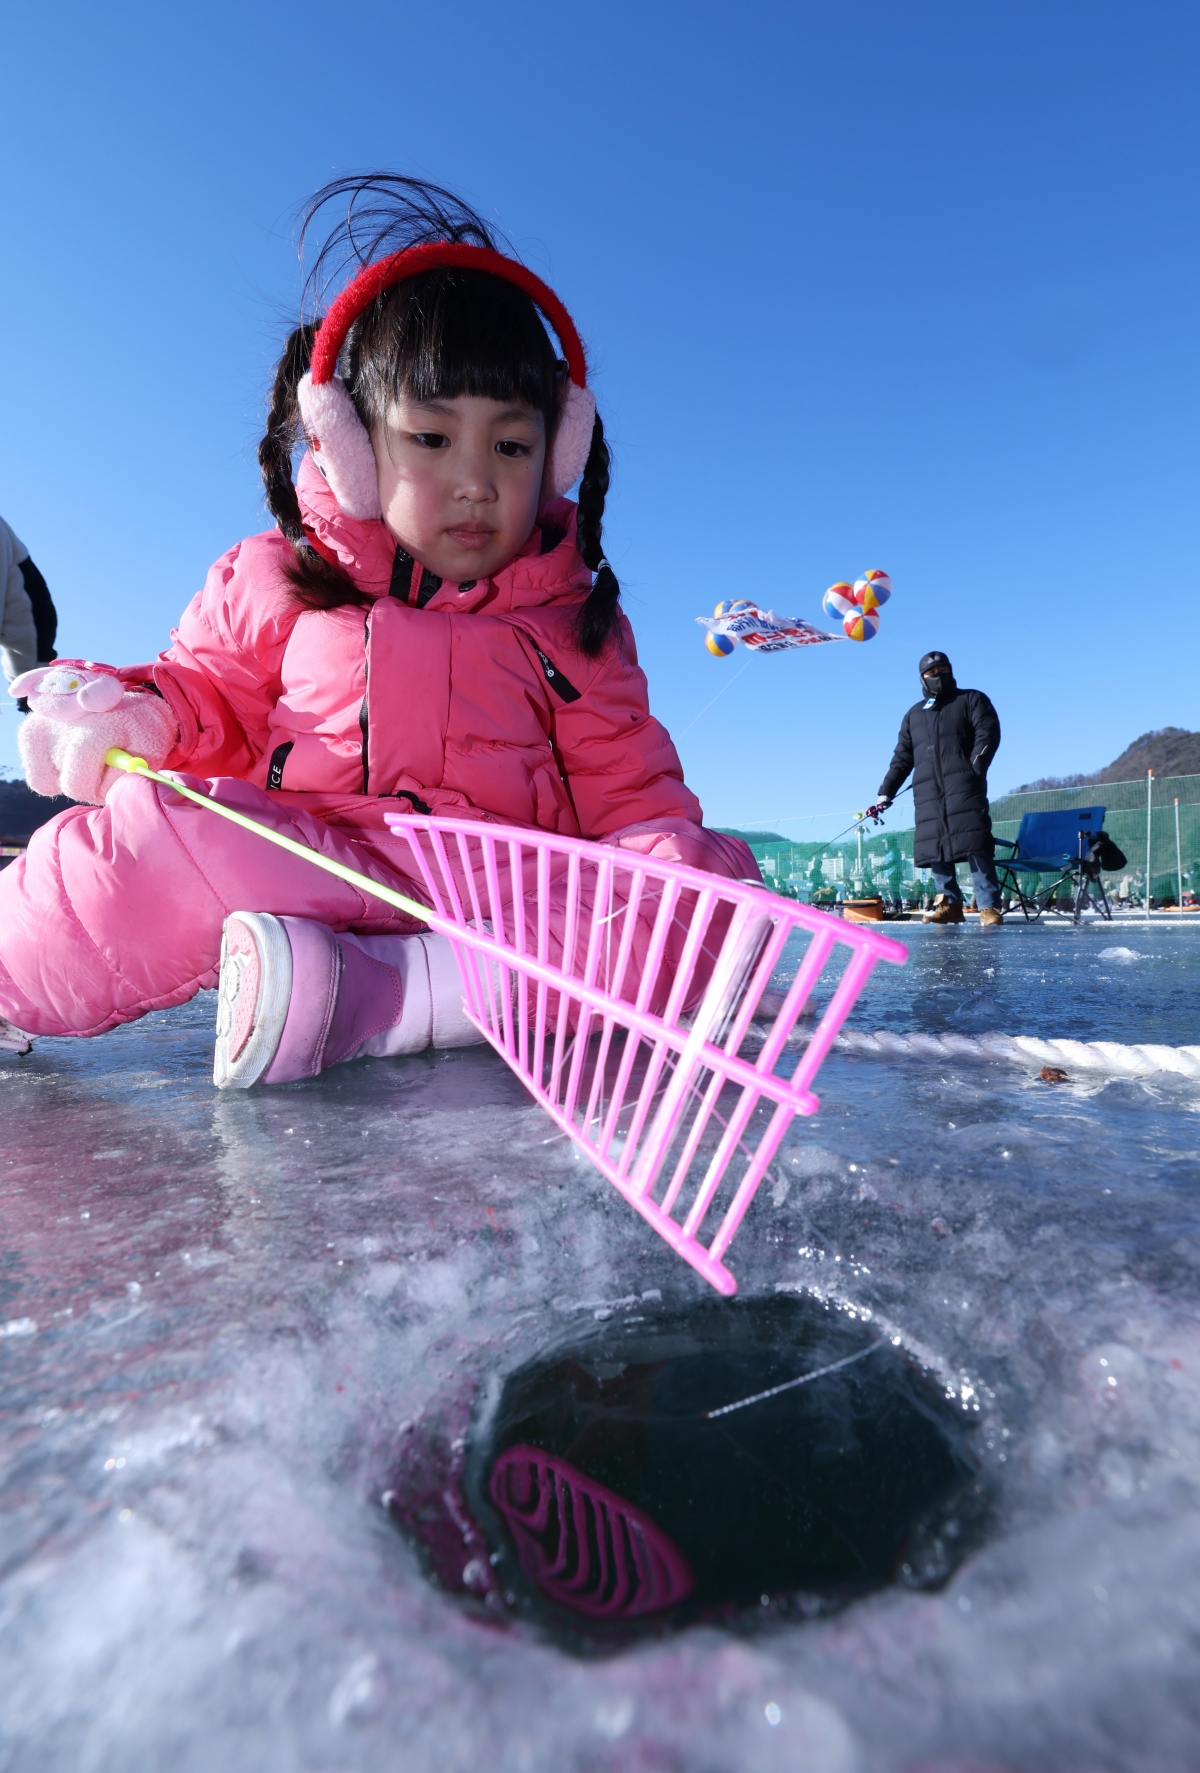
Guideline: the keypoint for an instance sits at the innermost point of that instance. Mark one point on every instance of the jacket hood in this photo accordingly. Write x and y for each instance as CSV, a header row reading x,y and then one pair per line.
x,y
366,549
937,662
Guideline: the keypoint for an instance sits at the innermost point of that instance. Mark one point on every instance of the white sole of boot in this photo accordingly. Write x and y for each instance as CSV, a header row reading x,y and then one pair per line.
x,y
253,994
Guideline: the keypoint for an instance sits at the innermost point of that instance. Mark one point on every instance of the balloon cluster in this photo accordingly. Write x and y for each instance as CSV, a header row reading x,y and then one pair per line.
x,y
859,604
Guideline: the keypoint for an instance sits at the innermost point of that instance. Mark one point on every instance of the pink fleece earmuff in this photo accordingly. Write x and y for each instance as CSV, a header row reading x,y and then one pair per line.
x,y
338,437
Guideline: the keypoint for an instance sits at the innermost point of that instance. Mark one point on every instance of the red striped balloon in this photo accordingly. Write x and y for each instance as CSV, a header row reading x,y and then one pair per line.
x,y
861,624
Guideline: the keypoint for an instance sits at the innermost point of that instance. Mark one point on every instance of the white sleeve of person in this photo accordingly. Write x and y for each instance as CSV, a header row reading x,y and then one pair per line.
x,y
18,630
78,711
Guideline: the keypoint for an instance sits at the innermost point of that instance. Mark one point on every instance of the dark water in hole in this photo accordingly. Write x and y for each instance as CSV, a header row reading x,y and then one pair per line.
x,y
612,1498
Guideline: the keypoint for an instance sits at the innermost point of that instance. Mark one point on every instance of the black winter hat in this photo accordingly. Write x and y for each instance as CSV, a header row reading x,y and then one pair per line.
x,y
935,661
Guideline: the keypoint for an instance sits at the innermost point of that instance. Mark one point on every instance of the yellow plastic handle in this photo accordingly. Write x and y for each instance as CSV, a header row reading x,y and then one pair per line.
x,y
137,766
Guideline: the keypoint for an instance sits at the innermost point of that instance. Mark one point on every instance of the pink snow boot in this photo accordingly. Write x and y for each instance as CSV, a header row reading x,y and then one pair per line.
x,y
294,999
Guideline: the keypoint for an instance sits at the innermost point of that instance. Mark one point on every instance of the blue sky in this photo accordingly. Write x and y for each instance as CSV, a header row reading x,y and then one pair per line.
x,y
864,285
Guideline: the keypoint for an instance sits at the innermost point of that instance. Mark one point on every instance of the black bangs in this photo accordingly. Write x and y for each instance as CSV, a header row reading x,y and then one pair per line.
x,y
446,333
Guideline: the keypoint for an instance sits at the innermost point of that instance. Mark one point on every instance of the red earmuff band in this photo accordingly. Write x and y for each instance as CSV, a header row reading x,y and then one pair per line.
x,y
371,282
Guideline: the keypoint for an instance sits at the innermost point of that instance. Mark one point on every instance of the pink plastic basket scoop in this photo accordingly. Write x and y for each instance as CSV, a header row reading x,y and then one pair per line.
x,y
633,998
583,1545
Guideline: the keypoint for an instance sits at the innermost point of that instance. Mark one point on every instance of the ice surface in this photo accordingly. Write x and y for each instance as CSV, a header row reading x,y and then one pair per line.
x,y
226,1318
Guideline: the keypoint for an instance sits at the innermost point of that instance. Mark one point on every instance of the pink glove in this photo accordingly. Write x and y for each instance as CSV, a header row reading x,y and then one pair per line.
x,y
77,711
679,840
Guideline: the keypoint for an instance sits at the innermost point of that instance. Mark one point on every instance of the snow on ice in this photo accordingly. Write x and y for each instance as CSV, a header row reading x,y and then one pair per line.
x,y
228,1322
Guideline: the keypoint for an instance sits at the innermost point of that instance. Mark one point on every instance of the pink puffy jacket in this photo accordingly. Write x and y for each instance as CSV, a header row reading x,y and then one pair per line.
x,y
456,698
459,697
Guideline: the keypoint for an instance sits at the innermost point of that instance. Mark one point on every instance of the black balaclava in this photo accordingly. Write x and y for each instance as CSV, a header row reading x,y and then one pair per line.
x,y
942,681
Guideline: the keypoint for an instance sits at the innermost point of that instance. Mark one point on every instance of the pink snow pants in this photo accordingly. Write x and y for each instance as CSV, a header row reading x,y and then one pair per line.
x,y
117,910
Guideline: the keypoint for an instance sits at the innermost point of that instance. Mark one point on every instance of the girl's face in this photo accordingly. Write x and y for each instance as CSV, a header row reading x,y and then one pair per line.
x,y
459,481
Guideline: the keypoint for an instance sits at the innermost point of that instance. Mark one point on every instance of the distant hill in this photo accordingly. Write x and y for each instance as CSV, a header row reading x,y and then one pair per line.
x,y
1171,751
750,836
22,811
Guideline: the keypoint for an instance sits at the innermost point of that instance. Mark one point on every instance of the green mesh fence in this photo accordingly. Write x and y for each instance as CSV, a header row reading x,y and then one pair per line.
x,y
882,863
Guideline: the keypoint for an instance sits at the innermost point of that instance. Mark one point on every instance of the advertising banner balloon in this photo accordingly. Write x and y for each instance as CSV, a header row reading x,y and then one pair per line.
x,y
761,630
856,606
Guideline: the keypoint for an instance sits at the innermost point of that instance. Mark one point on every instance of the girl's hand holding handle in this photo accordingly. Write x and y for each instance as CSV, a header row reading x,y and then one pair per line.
x,y
78,710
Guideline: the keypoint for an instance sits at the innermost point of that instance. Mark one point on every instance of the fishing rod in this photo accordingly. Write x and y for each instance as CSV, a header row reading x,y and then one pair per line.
x,y
118,759
873,813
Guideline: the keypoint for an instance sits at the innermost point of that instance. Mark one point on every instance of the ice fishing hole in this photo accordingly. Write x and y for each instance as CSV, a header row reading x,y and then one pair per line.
x,y
620,1483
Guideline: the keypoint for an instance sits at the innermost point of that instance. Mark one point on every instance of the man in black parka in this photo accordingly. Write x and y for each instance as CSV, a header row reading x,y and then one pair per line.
x,y
947,740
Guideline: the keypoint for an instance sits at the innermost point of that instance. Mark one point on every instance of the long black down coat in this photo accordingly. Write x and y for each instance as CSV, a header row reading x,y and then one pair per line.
x,y
948,748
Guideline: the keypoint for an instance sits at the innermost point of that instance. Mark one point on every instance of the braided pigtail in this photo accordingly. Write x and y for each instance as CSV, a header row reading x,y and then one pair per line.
x,y
319,583
597,620
283,430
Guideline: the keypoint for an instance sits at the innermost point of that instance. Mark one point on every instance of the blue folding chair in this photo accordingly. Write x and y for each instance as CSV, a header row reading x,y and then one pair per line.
x,y
1065,844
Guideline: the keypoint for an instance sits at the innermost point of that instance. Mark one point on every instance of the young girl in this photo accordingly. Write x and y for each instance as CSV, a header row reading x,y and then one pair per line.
x,y
431,626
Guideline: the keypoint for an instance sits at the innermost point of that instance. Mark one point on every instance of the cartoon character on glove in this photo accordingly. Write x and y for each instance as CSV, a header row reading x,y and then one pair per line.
x,y
78,710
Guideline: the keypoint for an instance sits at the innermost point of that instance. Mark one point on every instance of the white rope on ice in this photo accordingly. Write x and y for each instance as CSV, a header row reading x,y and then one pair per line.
x,y
1084,1055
